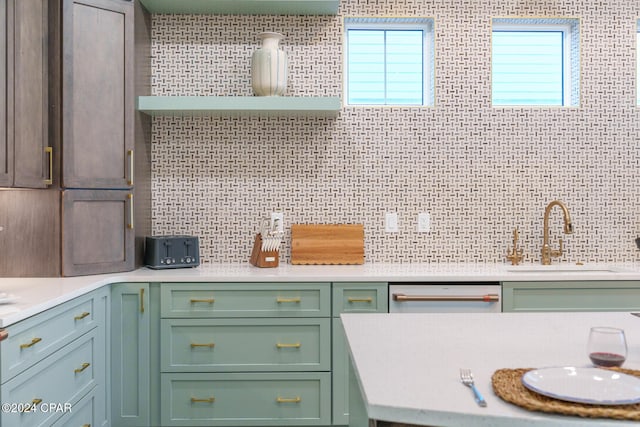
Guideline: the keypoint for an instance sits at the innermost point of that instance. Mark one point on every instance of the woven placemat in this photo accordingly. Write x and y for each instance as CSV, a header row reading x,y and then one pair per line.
x,y
507,384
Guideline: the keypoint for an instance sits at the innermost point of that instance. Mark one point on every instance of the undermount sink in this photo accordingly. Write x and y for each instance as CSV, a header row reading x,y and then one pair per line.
x,y
567,268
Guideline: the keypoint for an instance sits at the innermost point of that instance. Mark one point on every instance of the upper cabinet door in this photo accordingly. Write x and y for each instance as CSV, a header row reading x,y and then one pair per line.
x,y
97,93
6,149
33,158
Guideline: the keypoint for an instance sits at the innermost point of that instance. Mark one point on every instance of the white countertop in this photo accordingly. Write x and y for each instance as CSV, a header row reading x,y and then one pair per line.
x,y
408,364
39,294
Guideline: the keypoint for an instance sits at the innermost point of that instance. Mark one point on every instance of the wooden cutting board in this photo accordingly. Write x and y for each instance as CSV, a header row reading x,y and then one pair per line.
x,y
327,244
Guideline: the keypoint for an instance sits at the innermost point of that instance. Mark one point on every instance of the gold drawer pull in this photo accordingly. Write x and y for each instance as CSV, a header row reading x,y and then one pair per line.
x,y
82,316
205,400
284,300
210,345
296,345
207,300
31,408
296,399
352,300
84,366
86,425
31,344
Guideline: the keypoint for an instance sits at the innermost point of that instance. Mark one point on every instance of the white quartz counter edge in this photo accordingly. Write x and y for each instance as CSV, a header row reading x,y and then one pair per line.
x,y
408,364
35,295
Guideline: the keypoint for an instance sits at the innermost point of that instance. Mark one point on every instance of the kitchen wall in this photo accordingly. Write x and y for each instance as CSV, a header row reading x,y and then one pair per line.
x,y
480,171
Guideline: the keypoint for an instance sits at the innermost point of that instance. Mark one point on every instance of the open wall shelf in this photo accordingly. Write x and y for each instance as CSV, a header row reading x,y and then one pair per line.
x,y
239,106
244,7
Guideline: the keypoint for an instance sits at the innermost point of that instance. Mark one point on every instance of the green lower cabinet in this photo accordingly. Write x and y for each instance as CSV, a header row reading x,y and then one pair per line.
x,y
350,297
340,372
225,345
598,295
246,399
64,377
57,361
85,413
130,355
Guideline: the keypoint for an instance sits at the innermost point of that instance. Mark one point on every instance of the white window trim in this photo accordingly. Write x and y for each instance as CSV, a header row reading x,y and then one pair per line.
x,y
567,31
424,24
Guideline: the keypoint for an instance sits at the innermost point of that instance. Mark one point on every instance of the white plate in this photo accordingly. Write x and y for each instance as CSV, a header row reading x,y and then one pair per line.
x,y
8,298
584,385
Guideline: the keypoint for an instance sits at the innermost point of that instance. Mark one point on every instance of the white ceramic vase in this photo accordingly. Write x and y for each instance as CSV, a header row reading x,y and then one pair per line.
x,y
269,67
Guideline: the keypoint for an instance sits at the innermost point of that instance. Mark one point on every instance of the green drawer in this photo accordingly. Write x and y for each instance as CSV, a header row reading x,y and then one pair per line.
x,y
39,336
214,345
81,414
246,399
245,300
571,296
64,377
360,297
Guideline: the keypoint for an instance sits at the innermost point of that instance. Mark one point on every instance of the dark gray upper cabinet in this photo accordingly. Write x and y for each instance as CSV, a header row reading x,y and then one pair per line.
x,y
97,94
26,159
84,224
6,149
97,231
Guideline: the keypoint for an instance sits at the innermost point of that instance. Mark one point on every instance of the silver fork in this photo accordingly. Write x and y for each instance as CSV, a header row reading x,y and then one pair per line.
x,y
467,379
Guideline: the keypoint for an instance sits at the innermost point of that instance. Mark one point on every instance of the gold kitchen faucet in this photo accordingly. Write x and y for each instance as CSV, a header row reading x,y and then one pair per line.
x,y
547,252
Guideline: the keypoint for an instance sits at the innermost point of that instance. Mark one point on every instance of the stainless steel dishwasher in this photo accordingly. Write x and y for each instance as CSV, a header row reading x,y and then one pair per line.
x,y
445,297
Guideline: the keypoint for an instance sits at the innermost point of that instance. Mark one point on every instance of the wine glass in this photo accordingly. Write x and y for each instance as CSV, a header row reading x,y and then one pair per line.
x,y
607,346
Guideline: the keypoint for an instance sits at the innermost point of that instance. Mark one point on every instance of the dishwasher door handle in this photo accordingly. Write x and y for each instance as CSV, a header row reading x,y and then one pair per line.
x,y
478,298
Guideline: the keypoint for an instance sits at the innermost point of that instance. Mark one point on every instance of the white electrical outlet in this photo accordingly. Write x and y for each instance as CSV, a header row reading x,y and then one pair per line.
x,y
277,221
391,222
424,222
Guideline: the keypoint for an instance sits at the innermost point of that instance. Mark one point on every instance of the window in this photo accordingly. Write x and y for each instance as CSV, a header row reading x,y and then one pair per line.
x,y
535,62
389,61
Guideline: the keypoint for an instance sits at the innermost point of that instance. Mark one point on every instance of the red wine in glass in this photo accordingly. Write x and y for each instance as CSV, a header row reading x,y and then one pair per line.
x,y
606,360
607,346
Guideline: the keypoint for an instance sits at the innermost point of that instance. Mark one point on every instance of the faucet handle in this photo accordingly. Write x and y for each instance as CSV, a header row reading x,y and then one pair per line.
x,y
515,256
555,253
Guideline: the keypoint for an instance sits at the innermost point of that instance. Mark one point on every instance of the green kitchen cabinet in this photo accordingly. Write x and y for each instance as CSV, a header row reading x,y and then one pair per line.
x,y
247,399
356,297
245,354
59,357
130,355
585,295
243,300
83,413
247,345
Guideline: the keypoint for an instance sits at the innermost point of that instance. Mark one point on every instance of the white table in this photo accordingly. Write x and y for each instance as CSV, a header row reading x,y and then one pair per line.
x,y
407,365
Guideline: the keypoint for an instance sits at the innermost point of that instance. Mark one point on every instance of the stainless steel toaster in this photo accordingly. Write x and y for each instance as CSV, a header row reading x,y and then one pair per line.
x,y
171,252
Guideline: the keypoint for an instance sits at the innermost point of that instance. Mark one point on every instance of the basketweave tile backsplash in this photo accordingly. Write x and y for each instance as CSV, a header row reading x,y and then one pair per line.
x,y
479,171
